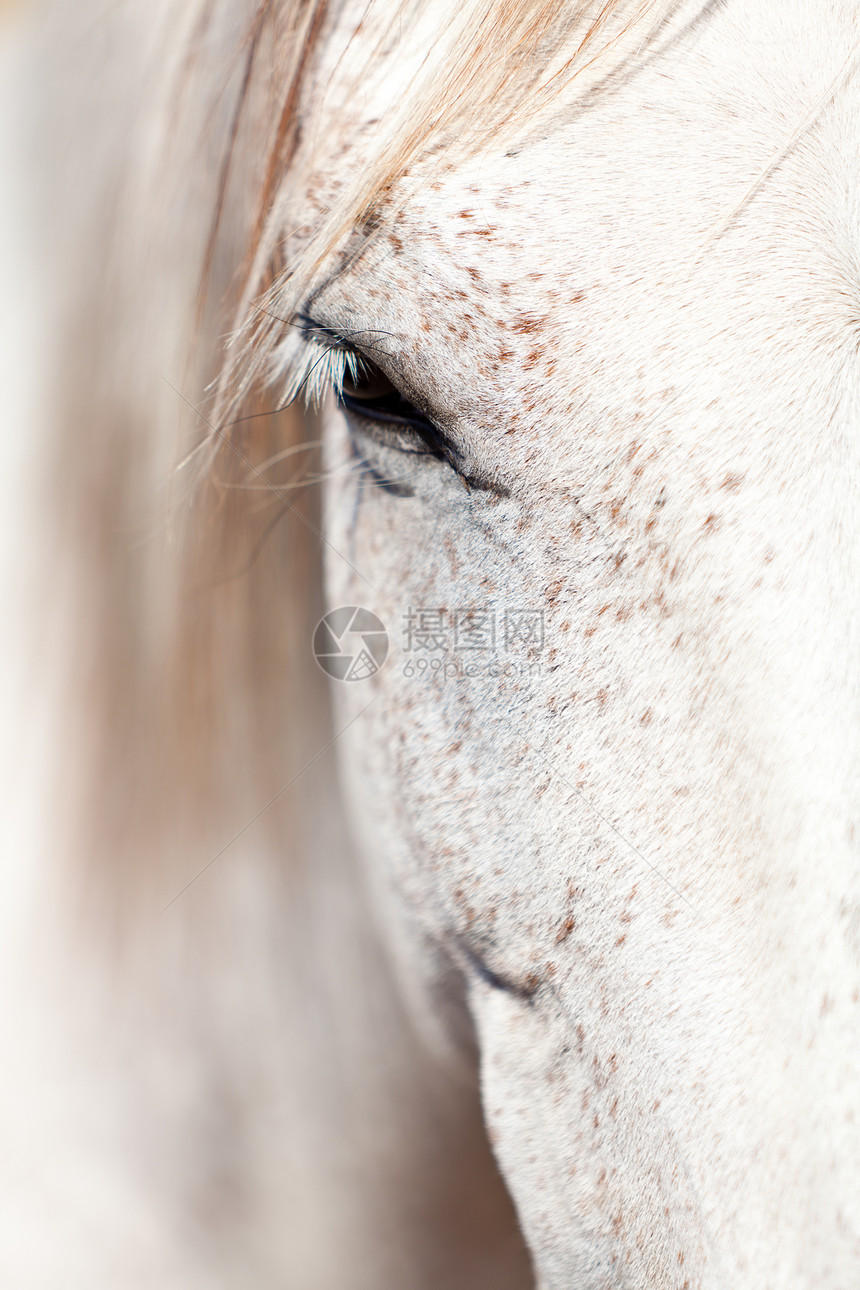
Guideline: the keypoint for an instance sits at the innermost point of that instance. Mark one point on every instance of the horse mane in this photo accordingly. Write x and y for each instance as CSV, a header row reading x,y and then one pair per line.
x,y
191,589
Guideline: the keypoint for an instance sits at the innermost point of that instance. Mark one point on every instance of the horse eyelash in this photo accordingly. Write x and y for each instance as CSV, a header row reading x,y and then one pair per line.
x,y
320,367
325,360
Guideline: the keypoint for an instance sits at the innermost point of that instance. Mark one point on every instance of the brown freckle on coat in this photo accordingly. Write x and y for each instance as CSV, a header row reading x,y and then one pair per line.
x,y
526,324
621,939
468,911
711,522
465,214
732,481
647,717
533,358
602,697
565,931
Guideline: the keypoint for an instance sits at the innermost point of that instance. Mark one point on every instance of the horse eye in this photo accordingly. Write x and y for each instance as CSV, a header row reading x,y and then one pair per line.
x,y
370,394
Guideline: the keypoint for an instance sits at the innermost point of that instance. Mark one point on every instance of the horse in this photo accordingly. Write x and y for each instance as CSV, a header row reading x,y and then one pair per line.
x,y
433,721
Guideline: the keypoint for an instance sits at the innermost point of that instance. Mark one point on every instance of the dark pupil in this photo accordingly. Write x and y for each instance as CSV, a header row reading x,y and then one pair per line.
x,y
371,394
369,383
